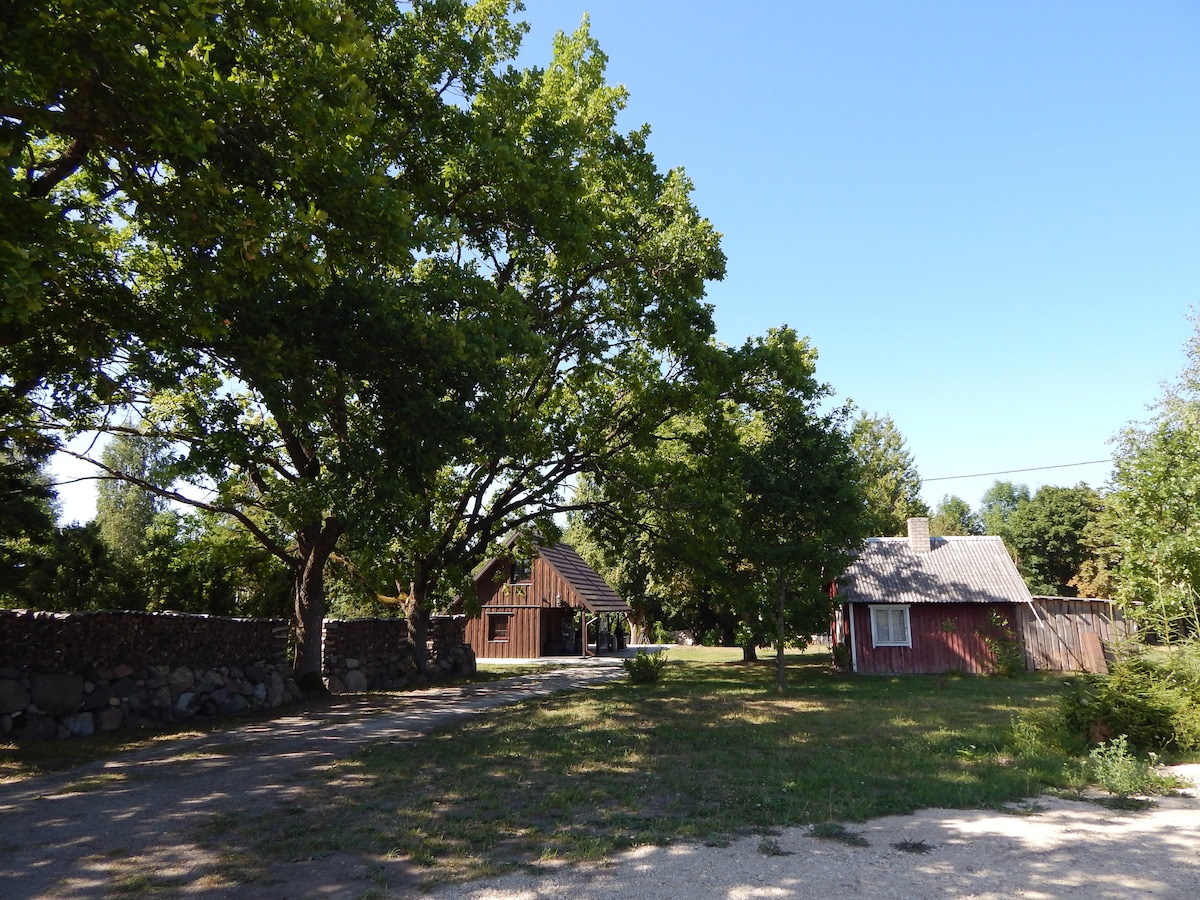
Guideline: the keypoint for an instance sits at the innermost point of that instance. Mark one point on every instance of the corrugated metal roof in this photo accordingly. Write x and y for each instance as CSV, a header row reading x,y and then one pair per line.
x,y
956,570
593,590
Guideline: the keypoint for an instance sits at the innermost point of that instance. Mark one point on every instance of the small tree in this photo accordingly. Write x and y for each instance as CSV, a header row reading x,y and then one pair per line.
x,y
124,509
891,483
954,517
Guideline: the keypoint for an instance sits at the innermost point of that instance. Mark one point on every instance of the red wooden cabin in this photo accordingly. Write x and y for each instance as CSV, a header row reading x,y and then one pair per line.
x,y
920,604
544,606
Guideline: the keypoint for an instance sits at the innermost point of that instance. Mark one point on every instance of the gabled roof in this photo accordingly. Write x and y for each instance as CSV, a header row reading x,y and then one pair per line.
x,y
593,591
956,570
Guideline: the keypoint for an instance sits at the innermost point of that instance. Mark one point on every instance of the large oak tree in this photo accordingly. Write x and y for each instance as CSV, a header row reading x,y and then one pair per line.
x,y
365,278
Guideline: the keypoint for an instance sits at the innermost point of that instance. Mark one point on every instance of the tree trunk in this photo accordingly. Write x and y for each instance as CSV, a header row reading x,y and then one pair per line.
x,y
749,652
416,613
316,543
780,638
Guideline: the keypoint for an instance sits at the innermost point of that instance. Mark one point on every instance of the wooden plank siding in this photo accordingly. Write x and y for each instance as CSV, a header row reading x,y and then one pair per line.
x,y
944,638
535,615
1068,635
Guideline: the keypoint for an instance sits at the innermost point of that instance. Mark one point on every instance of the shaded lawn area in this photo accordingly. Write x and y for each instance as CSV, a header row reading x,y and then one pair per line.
x,y
709,753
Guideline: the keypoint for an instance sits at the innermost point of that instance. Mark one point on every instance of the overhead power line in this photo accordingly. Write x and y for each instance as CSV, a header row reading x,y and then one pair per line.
x,y
1014,471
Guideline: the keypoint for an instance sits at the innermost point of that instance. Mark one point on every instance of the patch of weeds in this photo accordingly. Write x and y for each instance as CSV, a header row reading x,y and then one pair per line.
x,y
1112,766
832,831
239,867
1127,804
91,783
145,884
1029,808
219,823
770,847
913,847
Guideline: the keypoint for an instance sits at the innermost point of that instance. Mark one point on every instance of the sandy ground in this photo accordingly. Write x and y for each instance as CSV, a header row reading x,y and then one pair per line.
x,y
1048,848
128,827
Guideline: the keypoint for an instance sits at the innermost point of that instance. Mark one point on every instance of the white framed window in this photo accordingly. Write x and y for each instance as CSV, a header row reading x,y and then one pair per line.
x,y
889,626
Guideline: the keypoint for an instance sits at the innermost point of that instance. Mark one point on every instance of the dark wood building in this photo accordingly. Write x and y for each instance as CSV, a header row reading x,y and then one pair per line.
x,y
550,605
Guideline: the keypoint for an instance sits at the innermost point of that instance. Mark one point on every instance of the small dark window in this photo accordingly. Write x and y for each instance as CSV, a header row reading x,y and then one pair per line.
x,y
522,571
498,626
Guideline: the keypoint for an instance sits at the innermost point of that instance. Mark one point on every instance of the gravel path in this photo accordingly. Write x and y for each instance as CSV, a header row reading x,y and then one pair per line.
x,y
78,834
1048,849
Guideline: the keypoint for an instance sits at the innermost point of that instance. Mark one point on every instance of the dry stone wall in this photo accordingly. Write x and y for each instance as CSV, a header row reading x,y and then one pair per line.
x,y
74,674
377,654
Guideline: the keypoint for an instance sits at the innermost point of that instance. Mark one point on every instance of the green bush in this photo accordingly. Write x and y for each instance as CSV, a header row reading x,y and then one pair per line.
x,y
645,668
842,659
1004,645
1155,705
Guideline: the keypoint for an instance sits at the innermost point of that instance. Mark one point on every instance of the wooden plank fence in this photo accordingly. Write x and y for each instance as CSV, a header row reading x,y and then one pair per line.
x,y
1062,634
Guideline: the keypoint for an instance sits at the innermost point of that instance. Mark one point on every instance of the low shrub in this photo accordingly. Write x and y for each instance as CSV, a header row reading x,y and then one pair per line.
x,y
1155,705
645,668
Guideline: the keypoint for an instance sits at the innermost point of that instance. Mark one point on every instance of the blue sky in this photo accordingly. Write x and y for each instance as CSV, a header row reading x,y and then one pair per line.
x,y
985,216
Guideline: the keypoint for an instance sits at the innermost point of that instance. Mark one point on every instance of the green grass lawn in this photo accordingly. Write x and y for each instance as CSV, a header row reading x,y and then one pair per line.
x,y
709,753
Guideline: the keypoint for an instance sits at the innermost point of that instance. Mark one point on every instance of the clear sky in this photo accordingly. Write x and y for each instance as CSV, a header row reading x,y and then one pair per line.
x,y
985,215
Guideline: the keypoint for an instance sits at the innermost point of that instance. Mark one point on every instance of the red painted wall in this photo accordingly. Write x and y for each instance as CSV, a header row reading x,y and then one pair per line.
x,y
943,635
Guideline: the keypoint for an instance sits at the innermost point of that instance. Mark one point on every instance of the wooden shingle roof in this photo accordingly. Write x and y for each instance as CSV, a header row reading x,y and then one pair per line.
x,y
956,570
593,591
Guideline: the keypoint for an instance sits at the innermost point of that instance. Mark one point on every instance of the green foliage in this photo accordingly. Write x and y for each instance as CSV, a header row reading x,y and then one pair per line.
x,y
125,509
645,668
842,659
77,571
377,290
736,518
1155,705
890,482
954,517
998,505
1047,532
1112,766
1155,509
1004,644
26,499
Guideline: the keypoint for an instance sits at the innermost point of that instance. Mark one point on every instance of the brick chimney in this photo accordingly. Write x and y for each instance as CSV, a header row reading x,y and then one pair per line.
x,y
918,535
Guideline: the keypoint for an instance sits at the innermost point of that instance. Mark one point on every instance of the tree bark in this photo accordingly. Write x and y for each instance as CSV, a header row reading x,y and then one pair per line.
x,y
316,543
749,653
780,638
416,612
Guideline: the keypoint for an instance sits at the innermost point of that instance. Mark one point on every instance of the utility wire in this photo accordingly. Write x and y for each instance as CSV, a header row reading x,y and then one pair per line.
x,y
1014,471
